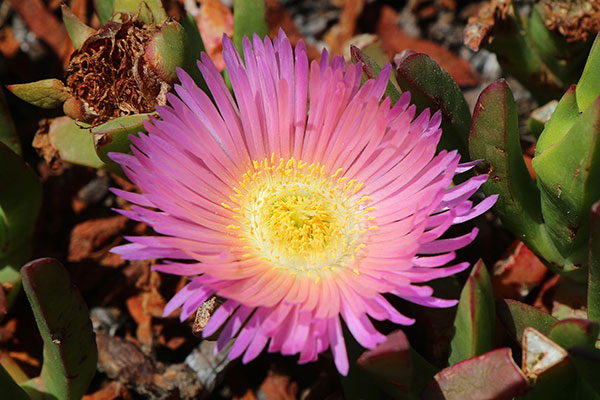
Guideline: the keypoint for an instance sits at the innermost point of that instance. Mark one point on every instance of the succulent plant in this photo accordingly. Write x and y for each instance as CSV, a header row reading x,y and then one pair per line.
x,y
70,353
117,75
557,216
551,215
544,49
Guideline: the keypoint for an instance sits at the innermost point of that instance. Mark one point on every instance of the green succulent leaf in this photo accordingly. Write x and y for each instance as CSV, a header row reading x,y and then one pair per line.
x,y
432,87
393,369
563,118
165,51
61,315
587,363
20,202
10,389
593,290
493,375
77,30
391,360
113,136
150,11
568,173
516,316
475,317
371,70
574,332
248,19
494,138
588,87
47,93
564,61
8,131
194,46
540,117
104,8
74,142
547,364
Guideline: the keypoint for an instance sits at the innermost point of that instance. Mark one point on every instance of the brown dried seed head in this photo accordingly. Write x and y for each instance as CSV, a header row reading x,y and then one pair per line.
x,y
576,20
110,76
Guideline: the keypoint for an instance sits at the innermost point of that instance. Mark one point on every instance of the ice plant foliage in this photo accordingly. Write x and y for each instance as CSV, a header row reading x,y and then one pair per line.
x,y
302,198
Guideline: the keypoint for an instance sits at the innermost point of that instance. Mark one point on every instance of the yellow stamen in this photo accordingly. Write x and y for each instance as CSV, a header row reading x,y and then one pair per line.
x,y
298,219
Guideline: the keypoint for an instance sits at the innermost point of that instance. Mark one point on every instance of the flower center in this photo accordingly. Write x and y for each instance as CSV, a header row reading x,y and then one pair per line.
x,y
298,219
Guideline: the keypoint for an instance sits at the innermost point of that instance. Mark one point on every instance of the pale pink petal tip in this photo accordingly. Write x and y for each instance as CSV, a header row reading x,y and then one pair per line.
x,y
208,169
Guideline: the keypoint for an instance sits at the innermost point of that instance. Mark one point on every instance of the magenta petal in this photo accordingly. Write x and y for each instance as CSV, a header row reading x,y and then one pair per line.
x,y
241,190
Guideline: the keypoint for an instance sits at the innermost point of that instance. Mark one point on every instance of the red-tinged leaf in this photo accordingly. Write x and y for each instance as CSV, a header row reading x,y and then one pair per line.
x,y
518,272
491,376
567,175
494,138
547,364
516,316
391,360
371,70
432,87
475,318
574,332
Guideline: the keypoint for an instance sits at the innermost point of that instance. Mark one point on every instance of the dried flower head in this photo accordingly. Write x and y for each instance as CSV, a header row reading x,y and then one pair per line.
x,y
301,201
109,76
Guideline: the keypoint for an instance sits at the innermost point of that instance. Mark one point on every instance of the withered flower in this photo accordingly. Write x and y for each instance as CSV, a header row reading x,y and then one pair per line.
x,y
114,72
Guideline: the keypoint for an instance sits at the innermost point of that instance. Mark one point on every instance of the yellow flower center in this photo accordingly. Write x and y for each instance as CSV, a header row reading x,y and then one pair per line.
x,y
299,219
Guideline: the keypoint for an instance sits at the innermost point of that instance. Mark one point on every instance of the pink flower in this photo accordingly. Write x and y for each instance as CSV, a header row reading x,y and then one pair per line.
x,y
301,201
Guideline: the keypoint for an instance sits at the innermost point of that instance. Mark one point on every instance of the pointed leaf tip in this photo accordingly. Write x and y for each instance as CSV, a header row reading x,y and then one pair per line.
x,y
475,318
70,352
47,93
77,30
432,87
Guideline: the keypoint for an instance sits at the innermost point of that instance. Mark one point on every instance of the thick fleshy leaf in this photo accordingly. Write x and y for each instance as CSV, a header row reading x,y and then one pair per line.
x,y
10,389
61,315
588,87
8,131
104,8
516,316
493,375
391,360
73,142
494,138
593,290
562,62
574,332
475,317
77,30
248,19
567,175
540,353
165,52
540,117
548,365
432,87
393,369
587,363
113,136
563,117
150,11
193,47
20,201
47,93
371,70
